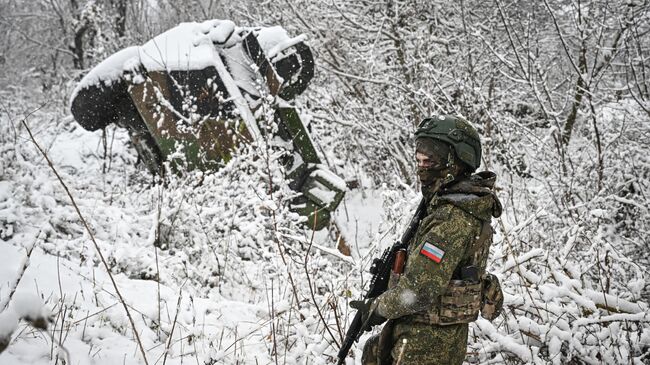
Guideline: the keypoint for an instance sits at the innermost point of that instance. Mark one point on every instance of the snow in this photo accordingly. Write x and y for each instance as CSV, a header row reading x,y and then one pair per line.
x,y
242,69
8,324
324,195
641,316
460,197
271,37
324,173
284,44
222,255
506,343
335,253
190,46
108,71
615,302
408,297
242,106
28,305
5,190
515,261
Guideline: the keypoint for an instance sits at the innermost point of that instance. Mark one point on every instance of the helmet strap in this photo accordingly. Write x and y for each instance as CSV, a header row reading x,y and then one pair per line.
x,y
450,163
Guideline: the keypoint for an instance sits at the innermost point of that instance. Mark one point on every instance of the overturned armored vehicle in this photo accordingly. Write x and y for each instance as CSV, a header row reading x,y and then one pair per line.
x,y
192,95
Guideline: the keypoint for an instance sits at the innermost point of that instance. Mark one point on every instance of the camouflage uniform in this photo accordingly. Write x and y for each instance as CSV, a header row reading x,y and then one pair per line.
x,y
454,220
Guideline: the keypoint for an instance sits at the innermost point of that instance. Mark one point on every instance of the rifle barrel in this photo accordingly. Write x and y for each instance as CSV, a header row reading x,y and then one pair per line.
x,y
350,337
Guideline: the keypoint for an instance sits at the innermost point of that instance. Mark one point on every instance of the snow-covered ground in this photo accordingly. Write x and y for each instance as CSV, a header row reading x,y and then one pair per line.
x,y
222,283
211,276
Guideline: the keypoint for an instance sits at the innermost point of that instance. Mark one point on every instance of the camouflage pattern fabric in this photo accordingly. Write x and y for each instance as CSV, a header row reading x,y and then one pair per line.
x,y
454,219
370,355
492,297
206,142
424,344
451,230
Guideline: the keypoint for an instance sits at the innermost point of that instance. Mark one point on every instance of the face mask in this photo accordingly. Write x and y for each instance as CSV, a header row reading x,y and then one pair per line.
x,y
436,172
429,175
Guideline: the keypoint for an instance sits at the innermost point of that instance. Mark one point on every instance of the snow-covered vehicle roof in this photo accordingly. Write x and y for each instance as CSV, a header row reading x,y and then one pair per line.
x,y
188,46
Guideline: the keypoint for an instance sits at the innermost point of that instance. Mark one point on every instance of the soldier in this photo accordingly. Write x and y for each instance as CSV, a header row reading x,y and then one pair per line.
x,y
444,283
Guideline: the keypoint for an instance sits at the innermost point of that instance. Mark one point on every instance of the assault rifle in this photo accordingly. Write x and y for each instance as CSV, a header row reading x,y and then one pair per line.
x,y
380,270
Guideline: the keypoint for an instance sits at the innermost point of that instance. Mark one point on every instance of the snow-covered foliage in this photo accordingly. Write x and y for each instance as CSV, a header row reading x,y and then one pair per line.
x,y
215,269
222,250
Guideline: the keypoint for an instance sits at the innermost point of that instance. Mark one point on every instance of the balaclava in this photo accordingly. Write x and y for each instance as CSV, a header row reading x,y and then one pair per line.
x,y
437,175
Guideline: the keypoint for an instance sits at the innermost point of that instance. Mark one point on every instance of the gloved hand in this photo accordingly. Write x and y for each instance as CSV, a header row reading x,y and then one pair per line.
x,y
368,309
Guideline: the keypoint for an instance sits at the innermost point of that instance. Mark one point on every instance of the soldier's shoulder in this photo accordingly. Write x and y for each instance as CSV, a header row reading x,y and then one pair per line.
x,y
446,208
474,195
448,223
477,206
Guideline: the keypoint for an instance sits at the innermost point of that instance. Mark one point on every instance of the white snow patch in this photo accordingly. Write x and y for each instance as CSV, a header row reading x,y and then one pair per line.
x,y
323,194
8,324
324,173
408,297
108,71
28,305
271,37
5,190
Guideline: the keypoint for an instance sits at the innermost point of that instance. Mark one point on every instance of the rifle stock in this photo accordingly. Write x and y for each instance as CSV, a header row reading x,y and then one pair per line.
x,y
380,271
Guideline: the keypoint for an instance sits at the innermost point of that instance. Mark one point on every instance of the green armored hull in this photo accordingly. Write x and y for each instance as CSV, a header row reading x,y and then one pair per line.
x,y
193,94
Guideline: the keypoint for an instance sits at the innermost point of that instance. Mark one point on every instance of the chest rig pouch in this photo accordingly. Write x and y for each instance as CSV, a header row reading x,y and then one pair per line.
x,y
471,291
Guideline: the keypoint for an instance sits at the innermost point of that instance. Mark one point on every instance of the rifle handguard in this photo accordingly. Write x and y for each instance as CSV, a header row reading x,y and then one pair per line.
x,y
376,262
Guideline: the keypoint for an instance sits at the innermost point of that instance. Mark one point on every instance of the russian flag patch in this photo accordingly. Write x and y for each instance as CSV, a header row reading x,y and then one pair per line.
x,y
433,252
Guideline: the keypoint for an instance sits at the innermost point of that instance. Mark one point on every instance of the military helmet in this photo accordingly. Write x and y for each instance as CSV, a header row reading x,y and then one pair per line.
x,y
458,133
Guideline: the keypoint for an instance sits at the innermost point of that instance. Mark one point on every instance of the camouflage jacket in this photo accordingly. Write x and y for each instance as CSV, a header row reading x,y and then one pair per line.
x,y
442,244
